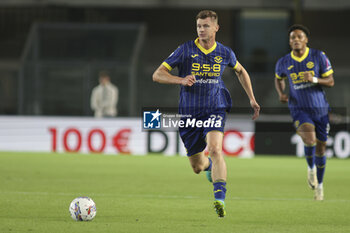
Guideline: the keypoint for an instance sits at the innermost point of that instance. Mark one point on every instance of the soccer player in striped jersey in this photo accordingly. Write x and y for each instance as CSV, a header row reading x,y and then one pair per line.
x,y
203,96
307,70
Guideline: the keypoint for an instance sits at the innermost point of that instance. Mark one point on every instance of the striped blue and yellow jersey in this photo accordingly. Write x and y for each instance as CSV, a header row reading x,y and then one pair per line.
x,y
209,93
305,96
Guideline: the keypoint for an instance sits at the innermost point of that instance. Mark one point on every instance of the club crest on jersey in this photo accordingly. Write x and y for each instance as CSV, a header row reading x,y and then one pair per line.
x,y
218,59
310,65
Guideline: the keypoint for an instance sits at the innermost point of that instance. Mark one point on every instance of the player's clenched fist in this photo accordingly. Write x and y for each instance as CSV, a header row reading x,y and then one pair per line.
x,y
308,77
189,80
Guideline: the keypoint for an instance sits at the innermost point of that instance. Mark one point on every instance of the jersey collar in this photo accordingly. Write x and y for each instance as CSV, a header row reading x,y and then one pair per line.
x,y
302,58
205,51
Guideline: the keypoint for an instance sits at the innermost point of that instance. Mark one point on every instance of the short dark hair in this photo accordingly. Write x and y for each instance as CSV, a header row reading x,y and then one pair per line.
x,y
207,13
299,27
103,73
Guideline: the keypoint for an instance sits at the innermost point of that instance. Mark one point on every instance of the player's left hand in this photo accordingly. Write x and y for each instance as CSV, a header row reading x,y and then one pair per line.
x,y
256,108
308,77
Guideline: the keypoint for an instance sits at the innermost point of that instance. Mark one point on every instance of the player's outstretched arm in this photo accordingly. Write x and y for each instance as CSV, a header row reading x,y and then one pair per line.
x,y
244,79
162,75
280,86
326,81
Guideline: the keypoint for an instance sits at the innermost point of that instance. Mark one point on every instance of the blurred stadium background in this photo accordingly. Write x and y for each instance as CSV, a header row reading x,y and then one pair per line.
x,y
52,50
61,45
50,54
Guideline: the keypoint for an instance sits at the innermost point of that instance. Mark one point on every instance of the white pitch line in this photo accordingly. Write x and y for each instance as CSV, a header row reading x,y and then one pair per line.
x,y
100,195
165,196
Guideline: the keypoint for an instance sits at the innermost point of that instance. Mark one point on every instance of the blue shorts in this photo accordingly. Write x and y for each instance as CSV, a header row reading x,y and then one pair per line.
x,y
194,136
321,123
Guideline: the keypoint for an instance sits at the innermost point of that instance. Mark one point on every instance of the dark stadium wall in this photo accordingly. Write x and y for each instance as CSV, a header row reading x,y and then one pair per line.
x,y
166,29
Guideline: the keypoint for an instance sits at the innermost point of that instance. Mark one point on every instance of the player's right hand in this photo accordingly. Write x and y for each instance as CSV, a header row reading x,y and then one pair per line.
x,y
307,77
189,80
284,98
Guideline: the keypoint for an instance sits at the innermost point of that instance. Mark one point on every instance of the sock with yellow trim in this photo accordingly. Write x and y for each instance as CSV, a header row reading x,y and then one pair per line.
x,y
310,155
320,166
219,190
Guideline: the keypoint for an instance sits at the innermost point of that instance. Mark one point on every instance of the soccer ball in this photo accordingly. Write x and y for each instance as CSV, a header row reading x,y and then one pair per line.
x,y
82,209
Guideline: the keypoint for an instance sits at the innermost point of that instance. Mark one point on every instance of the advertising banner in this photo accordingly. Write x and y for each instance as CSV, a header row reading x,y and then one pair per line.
x,y
110,136
279,138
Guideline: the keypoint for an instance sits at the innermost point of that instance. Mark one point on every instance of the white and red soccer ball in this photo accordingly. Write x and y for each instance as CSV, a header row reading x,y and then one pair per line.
x,y
82,209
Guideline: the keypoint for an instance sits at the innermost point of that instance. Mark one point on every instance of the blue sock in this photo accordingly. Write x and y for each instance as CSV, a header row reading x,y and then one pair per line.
x,y
210,164
310,155
220,190
320,165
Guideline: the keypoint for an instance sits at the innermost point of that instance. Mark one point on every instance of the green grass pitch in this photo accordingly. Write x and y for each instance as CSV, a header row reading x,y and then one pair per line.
x,y
162,194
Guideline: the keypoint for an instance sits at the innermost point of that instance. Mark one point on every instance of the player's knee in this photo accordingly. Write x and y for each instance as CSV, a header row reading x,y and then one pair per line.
x,y
214,151
309,141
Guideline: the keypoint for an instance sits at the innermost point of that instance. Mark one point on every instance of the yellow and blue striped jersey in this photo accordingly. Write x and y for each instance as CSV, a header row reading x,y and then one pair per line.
x,y
207,65
305,96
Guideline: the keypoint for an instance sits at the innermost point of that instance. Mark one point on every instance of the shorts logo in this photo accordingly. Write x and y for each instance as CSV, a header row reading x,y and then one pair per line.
x,y
151,119
218,59
328,127
310,65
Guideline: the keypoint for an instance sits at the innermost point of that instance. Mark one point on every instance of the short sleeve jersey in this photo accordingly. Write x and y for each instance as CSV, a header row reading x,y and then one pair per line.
x,y
207,65
305,96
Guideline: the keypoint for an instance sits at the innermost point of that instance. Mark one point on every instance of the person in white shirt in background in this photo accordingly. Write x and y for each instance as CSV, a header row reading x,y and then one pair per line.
x,y
104,97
